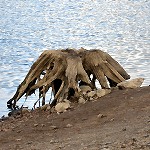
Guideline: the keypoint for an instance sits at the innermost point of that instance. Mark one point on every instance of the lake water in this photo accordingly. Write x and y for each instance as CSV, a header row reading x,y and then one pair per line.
x,y
27,28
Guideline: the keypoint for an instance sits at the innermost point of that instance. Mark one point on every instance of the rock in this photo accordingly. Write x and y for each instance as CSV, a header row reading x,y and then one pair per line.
x,y
101,116
112,119
14,112
91,98
48,108
85,88
44,107
52,110
84,93
124,129
35,125
53,141
91,94
69,125
25,110
54,127
81,100
134,83
3,118
43,125
123,146
62,107
102,92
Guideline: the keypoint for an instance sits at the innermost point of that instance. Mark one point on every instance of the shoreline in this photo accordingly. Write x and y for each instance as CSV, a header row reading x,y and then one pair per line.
x,y
119,120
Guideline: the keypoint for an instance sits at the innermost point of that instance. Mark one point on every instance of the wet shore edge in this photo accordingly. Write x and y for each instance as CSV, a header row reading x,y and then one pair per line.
x,y
22,110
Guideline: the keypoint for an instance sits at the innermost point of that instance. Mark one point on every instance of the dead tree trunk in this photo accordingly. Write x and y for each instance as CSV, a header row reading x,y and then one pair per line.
x,y
66,70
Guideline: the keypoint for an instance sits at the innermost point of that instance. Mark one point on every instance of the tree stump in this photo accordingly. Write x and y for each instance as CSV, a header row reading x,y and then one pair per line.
x,y
66,70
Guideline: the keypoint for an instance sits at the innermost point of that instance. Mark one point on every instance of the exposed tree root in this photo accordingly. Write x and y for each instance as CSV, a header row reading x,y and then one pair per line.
x,y
66,70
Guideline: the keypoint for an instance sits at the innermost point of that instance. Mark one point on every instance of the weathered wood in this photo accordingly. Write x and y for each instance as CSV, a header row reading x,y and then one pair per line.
x,y
66,70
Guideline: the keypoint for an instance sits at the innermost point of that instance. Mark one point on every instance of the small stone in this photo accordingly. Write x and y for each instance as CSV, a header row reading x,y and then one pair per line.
x,y
18,139
52,110
62,107
91,94
134,139
91,99
123,146
25,110
48,108
85,88
102,92
84,93
134,83
101,116
44,107
112,119
30,142
148,145
81,100
124,129
18,131
69,125
54,127
35,125
42,125
53,141
108,143
146,136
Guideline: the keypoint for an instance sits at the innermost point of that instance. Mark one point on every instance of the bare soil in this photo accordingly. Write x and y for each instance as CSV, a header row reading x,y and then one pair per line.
x,y
119,120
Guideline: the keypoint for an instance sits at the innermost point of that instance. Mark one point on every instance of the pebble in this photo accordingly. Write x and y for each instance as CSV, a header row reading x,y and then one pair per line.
x,y
146,136
62,107
123,146
102,92
91,98
53,141
42,125
54,127
18,131
48,108
91,94
44,107
124,129
85,88
148,144
69,125
81,100
112,119
35,125
101,116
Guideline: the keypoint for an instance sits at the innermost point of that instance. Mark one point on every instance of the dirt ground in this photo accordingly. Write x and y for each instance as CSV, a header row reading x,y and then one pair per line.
x,y
119,120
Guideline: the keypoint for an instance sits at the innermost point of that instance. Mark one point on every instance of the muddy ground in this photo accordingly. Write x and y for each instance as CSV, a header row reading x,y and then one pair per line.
x,y
119,120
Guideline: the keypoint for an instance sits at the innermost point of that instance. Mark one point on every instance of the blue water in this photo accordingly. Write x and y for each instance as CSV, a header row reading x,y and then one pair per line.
x,y
27,28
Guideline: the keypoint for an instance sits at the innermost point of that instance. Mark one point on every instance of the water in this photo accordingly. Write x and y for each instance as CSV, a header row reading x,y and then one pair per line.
x,y
119,27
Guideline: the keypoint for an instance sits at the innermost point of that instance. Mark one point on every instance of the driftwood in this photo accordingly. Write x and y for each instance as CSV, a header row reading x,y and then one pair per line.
x,y
66,70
